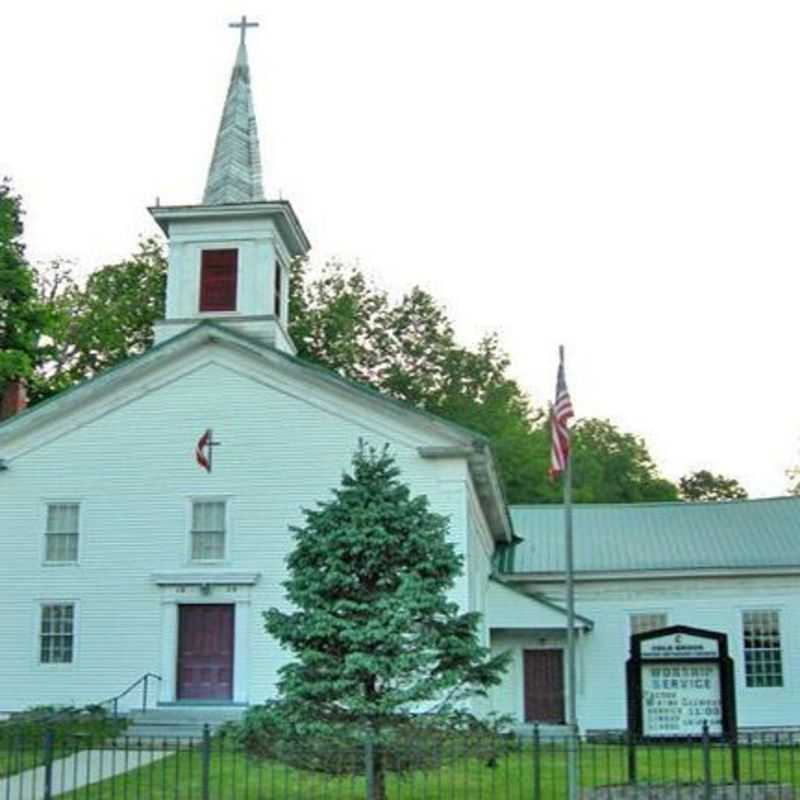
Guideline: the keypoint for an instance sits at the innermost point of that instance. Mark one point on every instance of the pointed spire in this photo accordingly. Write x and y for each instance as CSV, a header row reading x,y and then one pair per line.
x,y
235,172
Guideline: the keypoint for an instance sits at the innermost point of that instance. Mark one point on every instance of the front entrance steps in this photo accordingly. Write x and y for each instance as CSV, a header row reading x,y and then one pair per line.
x,y
184,720
547,730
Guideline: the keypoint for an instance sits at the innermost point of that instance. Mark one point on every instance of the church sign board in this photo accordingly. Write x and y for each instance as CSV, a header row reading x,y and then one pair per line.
x,y
680,679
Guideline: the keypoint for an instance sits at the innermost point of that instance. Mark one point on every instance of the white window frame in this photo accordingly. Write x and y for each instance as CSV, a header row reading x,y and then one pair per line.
x,y
55,501
215,498
781,647
647,612
37,639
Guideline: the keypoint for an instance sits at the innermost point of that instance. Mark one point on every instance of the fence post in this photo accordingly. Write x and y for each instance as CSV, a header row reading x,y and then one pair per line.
x,y
369,766
706,762
205,758
735,756
631,747
48,764
537,764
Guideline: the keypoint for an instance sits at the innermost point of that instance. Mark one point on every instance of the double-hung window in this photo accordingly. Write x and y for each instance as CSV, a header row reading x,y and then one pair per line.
x,y
57,633
61,533
763,661
208,530
650,621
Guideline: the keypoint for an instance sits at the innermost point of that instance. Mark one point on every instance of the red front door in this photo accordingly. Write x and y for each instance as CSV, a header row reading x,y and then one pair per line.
x,y
205,652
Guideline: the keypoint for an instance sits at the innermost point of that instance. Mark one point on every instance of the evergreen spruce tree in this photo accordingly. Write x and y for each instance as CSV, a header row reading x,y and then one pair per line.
x,y
374,634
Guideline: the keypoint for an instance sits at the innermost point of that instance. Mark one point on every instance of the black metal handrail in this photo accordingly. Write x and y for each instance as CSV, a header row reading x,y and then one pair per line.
x,y
143,679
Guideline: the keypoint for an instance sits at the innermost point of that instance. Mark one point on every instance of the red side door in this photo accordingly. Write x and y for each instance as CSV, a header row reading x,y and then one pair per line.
x,y
544,686
205,652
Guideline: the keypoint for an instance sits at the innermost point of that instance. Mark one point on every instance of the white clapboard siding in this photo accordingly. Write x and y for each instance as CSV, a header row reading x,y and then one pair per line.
x,y
715,603
130,465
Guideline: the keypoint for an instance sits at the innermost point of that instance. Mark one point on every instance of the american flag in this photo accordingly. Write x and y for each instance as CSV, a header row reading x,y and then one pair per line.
x,y
560,414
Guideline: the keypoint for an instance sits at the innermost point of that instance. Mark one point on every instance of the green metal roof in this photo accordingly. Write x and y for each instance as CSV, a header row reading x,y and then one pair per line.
x,y
657,536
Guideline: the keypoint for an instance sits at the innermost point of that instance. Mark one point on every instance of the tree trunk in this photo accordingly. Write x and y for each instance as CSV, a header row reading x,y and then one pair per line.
x,y
375,775
380,776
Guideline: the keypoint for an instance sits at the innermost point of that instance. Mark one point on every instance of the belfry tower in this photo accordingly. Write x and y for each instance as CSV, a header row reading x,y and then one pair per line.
x,y
229,257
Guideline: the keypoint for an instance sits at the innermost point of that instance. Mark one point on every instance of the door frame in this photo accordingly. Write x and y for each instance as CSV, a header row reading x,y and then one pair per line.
x,y
564,678
169,644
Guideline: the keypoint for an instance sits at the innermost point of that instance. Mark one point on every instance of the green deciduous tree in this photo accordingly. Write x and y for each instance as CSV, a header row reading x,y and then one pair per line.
x,y
405,348
101,324
794,480
610,466
703,485
22,318
374,635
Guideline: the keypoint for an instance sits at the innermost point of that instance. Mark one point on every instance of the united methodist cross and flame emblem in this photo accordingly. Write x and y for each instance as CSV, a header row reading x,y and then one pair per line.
x,y
203,451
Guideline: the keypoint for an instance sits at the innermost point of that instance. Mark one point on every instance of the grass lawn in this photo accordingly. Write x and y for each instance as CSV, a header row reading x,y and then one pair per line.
x,y
22,741
233,776
18,760
16,757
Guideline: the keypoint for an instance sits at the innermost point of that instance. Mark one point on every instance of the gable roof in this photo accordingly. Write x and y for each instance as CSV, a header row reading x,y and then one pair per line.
x,y
467,444
645,537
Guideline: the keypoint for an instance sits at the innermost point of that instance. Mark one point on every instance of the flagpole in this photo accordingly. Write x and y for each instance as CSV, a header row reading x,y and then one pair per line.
x,y
572,716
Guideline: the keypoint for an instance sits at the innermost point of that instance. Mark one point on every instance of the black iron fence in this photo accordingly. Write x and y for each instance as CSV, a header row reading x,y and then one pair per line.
x,y
39,765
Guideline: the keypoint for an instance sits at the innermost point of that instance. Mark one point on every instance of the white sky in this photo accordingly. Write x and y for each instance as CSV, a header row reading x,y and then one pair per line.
x,y
618,176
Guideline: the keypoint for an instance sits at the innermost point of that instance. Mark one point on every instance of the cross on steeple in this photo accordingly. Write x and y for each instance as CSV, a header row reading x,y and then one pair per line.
x,y
243,26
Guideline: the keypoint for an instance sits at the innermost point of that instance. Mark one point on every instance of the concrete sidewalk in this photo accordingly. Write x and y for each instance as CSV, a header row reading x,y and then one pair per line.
x,y
76,771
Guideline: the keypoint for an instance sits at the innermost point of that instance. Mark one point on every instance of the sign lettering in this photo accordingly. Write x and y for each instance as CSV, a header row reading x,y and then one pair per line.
x,y
678,698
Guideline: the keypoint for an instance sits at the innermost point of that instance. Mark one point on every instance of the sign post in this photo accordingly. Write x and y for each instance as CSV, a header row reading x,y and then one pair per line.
x,y
680,682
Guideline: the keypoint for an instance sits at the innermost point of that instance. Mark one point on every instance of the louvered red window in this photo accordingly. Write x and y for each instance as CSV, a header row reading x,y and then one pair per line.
x,y
218,280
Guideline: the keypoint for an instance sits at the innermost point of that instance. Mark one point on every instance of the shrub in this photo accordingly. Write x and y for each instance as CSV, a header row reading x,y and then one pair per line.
x,y
91,723
423,741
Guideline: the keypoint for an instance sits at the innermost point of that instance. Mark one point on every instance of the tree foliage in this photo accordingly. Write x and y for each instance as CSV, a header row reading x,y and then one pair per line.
x,y
404,348
374,633
794,480
408,350
101,324
610,466
22,318
703,485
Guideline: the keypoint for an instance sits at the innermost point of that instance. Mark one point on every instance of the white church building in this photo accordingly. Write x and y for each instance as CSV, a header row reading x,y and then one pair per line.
x,y
121,556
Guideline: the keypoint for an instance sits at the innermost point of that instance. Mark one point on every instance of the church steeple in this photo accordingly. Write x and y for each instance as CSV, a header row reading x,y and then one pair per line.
x,y
235,172
230,258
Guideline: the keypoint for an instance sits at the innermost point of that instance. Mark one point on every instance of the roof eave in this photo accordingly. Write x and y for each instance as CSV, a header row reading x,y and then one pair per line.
x,y
281,210
483,470
585,622
653,573
208,330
